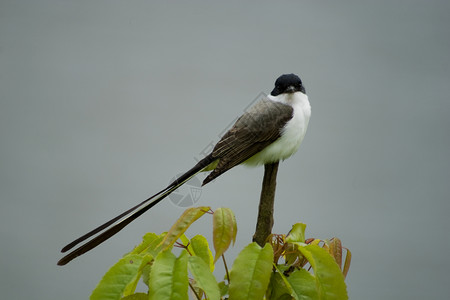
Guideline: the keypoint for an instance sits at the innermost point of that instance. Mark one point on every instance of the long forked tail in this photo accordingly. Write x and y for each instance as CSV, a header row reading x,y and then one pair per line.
x,y
118,223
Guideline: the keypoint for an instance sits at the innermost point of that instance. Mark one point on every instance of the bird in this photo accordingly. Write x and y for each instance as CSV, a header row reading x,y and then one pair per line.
x,y
269,131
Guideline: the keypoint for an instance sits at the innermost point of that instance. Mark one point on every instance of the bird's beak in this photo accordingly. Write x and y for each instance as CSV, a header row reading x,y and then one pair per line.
x,y
291,89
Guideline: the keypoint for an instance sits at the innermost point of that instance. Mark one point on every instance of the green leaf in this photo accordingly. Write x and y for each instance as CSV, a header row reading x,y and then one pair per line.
x,y
297,233
169,277
117,279
303,285
285,297
147,239
199,246
131,287
189,216
184,240
153,248
203,277
224,230
149,244
250,274
223,288
146,273
328,276
137,296
278,287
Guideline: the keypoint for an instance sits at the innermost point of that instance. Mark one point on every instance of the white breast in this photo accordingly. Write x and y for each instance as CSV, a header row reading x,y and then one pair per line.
x,y
292,134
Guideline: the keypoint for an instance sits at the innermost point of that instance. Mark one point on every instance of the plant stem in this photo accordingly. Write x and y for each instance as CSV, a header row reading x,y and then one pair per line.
x,y
193,290
226,268
264,223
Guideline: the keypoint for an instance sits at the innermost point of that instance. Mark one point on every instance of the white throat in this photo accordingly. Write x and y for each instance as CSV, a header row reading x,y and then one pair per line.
x,y
291,99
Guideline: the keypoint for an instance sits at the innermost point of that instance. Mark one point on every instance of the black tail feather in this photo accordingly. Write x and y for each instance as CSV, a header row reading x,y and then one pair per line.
x,y
122,220
105,225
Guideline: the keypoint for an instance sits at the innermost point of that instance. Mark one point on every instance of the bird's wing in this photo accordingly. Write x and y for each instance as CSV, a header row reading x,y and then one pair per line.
x,y
256,129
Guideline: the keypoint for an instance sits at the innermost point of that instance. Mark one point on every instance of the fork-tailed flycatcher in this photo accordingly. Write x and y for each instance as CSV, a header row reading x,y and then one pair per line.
x,y
268,132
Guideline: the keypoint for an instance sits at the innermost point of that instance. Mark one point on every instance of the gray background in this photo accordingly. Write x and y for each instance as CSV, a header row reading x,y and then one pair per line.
x,y
103,102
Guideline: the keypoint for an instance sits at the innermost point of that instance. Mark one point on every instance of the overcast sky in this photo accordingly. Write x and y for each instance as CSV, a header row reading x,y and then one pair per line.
x,y
103,102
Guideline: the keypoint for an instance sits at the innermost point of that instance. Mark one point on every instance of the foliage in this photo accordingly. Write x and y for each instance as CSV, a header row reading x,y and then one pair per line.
x,y
287,267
